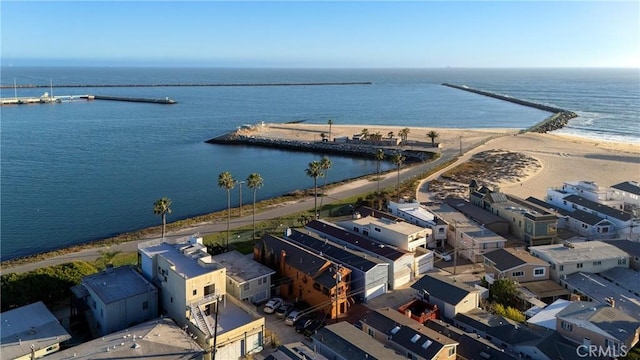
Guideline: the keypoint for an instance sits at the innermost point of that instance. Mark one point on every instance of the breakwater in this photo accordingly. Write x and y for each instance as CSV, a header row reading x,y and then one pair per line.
x,y
33,86
338,148
558,120
130,99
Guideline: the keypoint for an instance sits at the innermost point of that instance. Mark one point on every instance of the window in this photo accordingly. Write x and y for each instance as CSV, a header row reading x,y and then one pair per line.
x,y
568,327
247,286
517,273
596,263
145,305
579,265
622,261
452,351
538,272
195,292
372,333
561,267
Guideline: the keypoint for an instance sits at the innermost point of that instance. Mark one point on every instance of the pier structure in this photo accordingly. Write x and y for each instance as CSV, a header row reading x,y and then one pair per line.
x,y
558,120
48,99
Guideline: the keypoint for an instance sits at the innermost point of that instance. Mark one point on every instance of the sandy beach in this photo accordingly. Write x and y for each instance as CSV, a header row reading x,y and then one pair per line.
x,y
561,158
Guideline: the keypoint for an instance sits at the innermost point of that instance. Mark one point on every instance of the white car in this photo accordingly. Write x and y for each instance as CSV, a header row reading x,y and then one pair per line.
x,y
272,305
440,254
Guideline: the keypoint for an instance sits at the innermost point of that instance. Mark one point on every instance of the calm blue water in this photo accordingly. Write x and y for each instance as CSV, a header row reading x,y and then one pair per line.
x,y
81,171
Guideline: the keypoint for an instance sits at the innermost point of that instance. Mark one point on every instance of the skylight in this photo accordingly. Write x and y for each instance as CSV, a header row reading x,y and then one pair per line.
x,y
415,338
395,330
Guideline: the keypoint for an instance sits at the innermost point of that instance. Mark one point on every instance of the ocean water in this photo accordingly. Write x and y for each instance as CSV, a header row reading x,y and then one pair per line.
x,y
81,171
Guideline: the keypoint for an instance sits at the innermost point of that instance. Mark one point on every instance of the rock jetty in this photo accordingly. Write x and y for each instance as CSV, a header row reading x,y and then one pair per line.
x,y
323,147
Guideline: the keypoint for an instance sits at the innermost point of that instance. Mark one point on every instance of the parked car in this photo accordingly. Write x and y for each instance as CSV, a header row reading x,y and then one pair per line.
x,y
442,255
284,310
272,305
312,327
302,323
292,317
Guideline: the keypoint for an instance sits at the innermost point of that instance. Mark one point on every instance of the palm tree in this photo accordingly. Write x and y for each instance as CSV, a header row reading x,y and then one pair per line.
x,y
315,170
404,134
323,136
433,135
330,122
226,181
390,134
379,155
255,182
162,207
398,159
325,165
365,134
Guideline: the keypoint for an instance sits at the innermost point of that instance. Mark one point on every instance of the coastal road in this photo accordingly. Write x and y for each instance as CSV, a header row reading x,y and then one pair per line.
x,y
349,189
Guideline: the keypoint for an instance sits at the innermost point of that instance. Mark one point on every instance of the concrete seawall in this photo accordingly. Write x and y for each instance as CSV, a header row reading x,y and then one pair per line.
x,y
32,86
558,120
347,149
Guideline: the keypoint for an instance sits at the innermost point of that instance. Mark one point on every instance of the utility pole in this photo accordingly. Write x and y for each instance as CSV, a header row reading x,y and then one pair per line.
x,y
455,246
460,145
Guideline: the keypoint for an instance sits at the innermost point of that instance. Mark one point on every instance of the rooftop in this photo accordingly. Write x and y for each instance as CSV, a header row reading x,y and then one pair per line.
x,y
506,330
442,287
159,338
509,258
27,325
603,209
189,258
416,210
475,213
401,227
631,187
351,343
333,251
578,252
242,268
294,351
613,321
115,284
599,289
630,247
294,255
628,279
357,241
547,316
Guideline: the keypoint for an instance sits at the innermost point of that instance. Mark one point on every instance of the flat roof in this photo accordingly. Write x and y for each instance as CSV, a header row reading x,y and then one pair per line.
x,y
186,257
417,210
604,209
401,227
545,288
115,284
598,289
159,338
231,315
242,268
579,251
547,316
28,325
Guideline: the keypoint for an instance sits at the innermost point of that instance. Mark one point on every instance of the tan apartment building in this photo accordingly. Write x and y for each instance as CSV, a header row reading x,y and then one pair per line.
x,y
515,264
400,234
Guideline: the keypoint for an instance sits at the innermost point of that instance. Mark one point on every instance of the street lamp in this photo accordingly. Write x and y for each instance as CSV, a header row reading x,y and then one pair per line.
x,y
240,195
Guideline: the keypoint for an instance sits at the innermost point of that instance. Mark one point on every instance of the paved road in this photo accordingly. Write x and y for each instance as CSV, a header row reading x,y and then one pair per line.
x,y
350,189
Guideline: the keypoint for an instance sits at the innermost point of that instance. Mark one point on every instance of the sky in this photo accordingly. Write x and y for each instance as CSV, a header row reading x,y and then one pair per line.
x,y
331,34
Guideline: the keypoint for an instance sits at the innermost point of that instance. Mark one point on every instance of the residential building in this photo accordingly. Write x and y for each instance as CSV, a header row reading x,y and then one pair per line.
x,y
516,264
623,222
546,317
630,247
630,191
588,323
450,296
118,298
471,346
589,190
193,293
504,333
247,280
627,279
400,234
419,310
480,216
369,276
595,288
158,338
401,262
304,275
572,257
418,214
406,336
531,223
471,240
343,341
30,332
